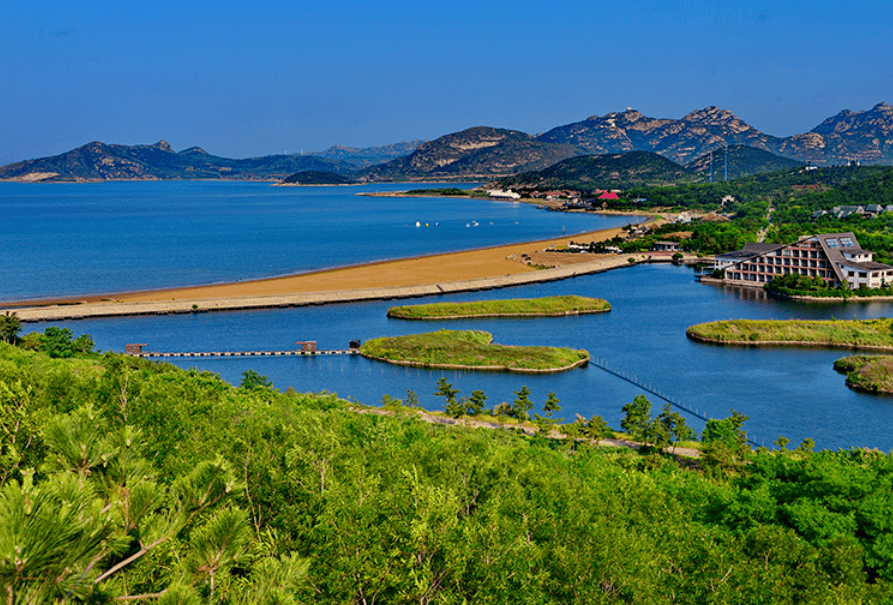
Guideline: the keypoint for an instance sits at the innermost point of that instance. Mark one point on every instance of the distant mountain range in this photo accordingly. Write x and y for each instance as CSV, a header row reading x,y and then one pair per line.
x,y
100,162
485,153
368,156
865,136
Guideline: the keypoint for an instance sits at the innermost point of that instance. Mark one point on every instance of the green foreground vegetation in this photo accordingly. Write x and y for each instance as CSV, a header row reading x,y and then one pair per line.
x,y
853,333
127,480
470,349
870,373
516,307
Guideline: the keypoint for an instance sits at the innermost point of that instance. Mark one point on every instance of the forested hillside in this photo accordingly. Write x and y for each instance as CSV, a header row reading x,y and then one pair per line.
x,y
122,479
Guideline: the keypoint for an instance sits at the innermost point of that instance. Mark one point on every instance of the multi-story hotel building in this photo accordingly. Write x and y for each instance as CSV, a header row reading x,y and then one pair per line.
x,y
836,258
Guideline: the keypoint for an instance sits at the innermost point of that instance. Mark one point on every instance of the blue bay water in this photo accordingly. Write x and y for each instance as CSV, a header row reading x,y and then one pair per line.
x,y
73,239
785,391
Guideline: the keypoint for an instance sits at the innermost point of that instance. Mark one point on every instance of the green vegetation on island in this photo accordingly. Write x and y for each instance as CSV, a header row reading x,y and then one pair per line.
x,y
472,349
855,333
517,307
316,177
446,192
870,373
128,480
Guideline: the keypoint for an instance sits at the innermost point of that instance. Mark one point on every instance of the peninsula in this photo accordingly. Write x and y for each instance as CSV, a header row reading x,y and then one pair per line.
x,y
868,373
465,271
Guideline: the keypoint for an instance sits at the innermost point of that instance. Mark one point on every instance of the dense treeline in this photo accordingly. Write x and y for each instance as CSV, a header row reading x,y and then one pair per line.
x,y
783,186
121,477
793,195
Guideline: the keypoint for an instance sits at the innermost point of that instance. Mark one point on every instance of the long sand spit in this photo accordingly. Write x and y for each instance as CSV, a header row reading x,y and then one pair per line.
x,y
466,271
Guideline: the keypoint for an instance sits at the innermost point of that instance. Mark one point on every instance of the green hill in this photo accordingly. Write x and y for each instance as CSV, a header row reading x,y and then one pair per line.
x,y
742,161
608,171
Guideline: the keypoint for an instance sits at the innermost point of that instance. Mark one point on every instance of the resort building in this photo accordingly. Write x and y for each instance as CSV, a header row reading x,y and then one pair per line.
x,y
837,258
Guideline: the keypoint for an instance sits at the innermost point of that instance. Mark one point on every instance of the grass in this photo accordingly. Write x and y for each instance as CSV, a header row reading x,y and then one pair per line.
x,y
835,333
870,373
518,307
469,349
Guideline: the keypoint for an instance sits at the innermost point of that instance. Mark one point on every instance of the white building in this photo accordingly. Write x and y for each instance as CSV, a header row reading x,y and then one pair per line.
x,y
835,258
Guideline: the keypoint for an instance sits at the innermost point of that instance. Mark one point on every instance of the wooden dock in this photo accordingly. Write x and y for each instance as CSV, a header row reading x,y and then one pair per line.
x,y
248,353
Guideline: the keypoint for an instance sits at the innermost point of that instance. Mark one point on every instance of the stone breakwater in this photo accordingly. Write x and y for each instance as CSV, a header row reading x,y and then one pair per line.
x,y
200,305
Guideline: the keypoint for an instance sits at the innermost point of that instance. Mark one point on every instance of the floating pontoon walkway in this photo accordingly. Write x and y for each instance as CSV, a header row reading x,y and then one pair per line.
x,y
248,353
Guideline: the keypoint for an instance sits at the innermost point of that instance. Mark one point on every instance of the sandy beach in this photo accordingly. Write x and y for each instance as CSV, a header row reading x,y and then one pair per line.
x,y
465,271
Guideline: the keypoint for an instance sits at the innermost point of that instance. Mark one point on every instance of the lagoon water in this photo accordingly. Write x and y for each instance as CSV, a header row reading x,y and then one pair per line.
x,y
785,391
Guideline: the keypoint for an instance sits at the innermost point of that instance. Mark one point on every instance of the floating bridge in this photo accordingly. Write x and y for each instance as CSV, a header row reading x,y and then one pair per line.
x,y
308,349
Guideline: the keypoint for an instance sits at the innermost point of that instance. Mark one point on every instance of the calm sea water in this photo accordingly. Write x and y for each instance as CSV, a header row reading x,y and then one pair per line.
x,y
785,391
70,239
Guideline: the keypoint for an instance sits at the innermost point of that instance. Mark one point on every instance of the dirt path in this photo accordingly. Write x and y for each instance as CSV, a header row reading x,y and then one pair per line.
x,y
430,418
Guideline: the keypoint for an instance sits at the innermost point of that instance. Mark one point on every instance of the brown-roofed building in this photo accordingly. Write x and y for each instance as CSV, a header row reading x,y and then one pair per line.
x,y
834,257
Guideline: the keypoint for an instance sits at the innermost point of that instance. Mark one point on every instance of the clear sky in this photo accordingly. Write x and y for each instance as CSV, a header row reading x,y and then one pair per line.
x,y
257,78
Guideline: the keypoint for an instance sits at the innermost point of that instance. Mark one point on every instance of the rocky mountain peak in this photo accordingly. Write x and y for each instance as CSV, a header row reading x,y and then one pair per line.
x,y
713,116
162,146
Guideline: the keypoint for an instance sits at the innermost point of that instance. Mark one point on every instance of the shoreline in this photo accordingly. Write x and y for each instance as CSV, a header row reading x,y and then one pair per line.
x,y
427,275
162,293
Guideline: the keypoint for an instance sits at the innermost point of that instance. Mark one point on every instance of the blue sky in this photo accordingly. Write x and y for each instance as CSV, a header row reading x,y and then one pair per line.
x,y
249,79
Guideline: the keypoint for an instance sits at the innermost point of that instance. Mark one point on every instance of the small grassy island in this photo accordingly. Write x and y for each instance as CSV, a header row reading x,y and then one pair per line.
x,y
868,373
552,306
470,349
315,177
874,334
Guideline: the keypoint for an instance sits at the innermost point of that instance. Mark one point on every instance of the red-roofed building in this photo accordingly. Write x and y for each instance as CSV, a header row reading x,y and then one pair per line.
x,y
609,195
